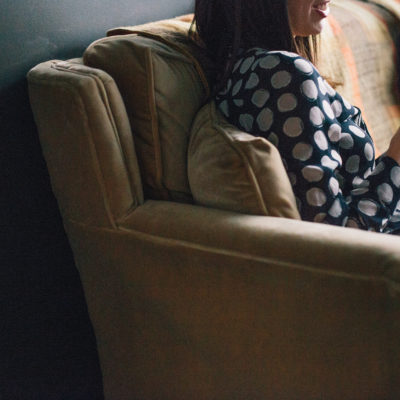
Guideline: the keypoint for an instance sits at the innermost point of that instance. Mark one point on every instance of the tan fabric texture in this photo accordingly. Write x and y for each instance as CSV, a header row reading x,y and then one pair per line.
x,y
174,32
198,303
87,142
163,27
163,88
232,170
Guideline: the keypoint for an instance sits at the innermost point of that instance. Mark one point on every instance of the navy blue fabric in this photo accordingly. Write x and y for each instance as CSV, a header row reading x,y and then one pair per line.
x,y
324,143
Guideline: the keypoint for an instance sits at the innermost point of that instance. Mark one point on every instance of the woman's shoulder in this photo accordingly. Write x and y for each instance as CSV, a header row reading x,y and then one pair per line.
x,y
263,59
261,52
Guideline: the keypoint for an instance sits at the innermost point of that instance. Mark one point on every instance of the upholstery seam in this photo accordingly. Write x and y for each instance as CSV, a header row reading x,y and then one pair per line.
x,y
101,85
182,50
92,147
68,87
246,256
154,123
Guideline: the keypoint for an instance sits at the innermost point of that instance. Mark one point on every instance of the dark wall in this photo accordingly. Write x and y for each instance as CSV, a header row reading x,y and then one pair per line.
x,y
47,346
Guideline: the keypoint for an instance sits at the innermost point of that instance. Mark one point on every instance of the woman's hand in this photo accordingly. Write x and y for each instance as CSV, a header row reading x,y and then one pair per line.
x,y
394,147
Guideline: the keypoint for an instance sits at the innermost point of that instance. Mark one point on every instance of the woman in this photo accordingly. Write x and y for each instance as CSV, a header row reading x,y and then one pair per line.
x,y
268,86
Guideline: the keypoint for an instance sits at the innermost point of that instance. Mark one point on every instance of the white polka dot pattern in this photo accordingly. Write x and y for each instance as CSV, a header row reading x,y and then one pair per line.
x,y
303,66
302,151
260,97
336,156
280,79
336,209
269,62
312,173
358,182
352,164
385,193
246,64
368,207
367,173
334,186
237,87
395,219
327,162
255,64
334,133
236,66
337,108
293,127
309,89
357,131
264,119
252,82
325,147
238,102
316,116
320,140
316,197
369,152
287,102
246,120
328,109
322,86
380,167
224,108
395,176
346,141
359,191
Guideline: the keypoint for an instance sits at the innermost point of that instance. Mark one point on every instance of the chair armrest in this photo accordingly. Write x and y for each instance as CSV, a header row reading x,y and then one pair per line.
x,y
326,248
190,302
86,140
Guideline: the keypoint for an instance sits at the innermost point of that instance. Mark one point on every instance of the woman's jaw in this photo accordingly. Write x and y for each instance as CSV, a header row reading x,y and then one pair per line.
x,y
307,17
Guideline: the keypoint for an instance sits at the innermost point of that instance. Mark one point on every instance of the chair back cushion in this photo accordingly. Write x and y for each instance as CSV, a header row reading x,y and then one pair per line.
x,y
163,87
233,170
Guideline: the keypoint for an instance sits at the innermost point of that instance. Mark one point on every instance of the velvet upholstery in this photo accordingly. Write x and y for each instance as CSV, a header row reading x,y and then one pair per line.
x,y
235,171
162,89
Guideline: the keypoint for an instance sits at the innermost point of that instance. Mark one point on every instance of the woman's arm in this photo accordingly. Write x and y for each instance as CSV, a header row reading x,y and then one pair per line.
x,y
329,158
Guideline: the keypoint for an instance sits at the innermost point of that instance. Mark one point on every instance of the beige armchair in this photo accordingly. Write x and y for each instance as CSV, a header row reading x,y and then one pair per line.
x,y
196,301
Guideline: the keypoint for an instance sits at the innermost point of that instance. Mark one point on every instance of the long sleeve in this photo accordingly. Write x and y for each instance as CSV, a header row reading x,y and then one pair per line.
x,y
325,146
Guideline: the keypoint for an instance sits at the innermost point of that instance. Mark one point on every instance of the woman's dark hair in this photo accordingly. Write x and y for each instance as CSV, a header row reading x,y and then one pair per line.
x,y
226,26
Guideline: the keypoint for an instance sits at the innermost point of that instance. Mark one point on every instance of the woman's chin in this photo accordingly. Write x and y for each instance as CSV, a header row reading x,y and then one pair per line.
x,y
315,29
318,28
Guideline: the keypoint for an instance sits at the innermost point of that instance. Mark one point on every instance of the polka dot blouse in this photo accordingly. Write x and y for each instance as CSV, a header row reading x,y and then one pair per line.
x,y
324,143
